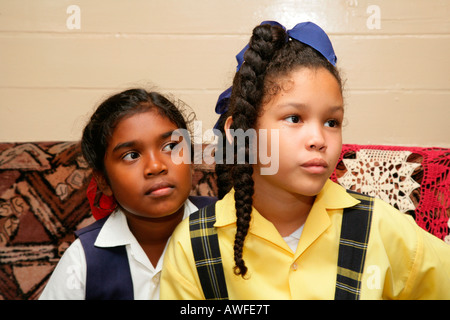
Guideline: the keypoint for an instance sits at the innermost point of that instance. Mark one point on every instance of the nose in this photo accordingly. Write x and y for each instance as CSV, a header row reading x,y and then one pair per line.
x,y
155,165
316,139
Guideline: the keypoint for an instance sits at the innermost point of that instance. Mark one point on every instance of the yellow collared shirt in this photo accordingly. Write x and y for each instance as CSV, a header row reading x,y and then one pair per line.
x,y
403,261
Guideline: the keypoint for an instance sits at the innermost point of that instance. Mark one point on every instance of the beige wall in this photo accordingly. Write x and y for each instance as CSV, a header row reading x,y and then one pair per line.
x,y
393,54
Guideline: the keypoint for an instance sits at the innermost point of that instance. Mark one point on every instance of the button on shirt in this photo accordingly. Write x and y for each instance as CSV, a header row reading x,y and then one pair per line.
x,y
69,277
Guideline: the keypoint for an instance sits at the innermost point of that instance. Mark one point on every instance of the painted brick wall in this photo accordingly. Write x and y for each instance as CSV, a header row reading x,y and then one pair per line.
x,y
59,59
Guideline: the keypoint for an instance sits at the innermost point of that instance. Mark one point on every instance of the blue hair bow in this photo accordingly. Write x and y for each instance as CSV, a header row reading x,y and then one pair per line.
x,y
308,33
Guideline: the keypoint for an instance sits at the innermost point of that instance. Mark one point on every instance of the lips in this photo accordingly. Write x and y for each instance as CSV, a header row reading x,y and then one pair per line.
x,y
160,189
316,166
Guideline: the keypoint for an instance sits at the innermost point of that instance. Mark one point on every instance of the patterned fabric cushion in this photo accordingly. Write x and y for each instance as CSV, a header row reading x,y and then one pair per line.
x,y
43,199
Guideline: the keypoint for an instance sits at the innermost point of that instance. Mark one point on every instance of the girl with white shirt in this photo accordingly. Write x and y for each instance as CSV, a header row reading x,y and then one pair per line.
x,y
129,142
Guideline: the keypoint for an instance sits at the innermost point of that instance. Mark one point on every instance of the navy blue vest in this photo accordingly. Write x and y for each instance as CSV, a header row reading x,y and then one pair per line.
x,y
108,275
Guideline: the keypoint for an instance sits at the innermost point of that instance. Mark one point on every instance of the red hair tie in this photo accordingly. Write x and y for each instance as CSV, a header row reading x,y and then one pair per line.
x,y
101,205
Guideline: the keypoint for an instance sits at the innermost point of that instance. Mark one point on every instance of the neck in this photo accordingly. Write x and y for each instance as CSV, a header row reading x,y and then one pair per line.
x,y
285,210
153,233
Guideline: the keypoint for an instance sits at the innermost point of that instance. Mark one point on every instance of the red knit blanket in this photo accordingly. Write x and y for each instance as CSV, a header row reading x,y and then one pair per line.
x,y
414,180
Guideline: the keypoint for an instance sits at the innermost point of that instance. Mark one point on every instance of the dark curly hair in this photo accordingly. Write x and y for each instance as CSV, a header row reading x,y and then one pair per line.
x,y
98,131
269,56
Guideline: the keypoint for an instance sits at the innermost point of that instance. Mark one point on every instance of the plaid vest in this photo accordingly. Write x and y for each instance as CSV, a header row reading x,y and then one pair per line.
x,y
353,241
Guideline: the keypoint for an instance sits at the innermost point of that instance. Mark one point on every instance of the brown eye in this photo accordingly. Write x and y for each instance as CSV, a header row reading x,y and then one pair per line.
x,y
130,156
332,123
170,146
293,119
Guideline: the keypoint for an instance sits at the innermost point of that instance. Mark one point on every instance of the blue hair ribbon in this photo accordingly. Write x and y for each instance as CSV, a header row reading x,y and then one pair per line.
x,y
308,33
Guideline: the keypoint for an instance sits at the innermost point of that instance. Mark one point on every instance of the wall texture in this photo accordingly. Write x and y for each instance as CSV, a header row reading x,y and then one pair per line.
x,y
59,59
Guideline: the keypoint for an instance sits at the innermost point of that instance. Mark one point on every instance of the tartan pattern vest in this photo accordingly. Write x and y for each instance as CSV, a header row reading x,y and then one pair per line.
x,y
353,241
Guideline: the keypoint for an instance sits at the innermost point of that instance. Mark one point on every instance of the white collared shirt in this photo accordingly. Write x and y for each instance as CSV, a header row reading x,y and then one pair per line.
x,y
293,239
68,280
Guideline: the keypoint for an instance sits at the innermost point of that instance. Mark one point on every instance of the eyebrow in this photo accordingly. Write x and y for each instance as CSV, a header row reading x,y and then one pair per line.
x,y
133,143
125,145
305,106
337,109
168,134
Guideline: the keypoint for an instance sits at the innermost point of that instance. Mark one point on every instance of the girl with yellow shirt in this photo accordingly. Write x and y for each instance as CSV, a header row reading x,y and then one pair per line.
x,y
294,234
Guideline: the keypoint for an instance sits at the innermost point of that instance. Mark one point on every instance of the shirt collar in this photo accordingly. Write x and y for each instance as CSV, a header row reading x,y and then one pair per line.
x,y
332,196
115,232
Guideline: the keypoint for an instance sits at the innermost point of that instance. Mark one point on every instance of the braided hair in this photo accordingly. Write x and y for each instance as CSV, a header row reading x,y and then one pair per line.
x,y
268,57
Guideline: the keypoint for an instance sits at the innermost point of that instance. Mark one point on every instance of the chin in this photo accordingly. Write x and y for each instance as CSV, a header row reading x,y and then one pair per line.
x,y
312,189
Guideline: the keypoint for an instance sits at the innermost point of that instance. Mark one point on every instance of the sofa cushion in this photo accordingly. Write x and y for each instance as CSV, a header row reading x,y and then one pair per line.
x,y
43,199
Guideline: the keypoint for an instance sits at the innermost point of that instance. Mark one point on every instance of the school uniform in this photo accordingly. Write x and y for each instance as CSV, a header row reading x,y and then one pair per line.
x,y
138,279
402,260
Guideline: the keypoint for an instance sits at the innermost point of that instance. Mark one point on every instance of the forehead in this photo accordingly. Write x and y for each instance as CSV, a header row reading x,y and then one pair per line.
x,y
309,86
143,124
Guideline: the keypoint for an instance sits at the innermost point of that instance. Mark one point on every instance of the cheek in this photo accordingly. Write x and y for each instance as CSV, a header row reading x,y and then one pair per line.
x,y
121,181
122,187
289,143
335,148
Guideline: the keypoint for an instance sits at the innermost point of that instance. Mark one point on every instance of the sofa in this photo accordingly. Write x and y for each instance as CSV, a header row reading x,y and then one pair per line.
x,y
43,199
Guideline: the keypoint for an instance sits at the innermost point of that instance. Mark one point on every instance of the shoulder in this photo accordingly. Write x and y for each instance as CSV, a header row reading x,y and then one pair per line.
x,y
403,239
179,243
179,257
396,231
414,256
397,237
179,277
392,222
74,253
94,227
88,235
67,281
202,201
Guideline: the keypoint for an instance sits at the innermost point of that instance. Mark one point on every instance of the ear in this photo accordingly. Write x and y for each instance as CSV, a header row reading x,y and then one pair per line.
x,y
102,183
227,126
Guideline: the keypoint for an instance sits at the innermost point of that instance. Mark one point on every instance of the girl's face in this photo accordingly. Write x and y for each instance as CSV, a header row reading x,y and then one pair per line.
x,y
308,115
141,175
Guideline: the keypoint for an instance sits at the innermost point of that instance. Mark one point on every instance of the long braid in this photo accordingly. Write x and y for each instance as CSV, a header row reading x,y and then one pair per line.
x,y
245,100
270,55
222,170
